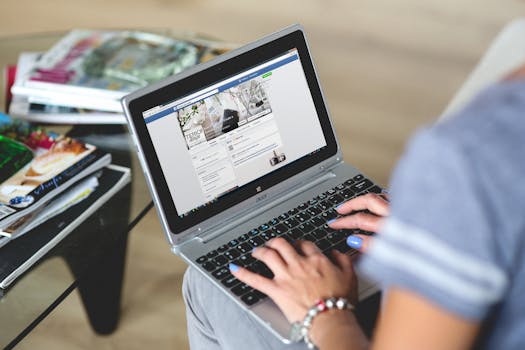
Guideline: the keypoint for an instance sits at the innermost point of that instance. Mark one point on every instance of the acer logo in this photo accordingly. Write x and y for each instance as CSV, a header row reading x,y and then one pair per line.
x,y
263,197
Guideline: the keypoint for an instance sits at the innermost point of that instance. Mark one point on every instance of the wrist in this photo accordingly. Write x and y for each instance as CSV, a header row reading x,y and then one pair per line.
x,y
301,330
329,324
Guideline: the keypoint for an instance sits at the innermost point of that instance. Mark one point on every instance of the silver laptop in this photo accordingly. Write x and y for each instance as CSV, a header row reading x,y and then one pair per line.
x,y
239,150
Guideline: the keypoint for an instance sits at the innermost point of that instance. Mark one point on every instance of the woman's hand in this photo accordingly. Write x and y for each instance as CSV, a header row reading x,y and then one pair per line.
x,y
302,276
366,213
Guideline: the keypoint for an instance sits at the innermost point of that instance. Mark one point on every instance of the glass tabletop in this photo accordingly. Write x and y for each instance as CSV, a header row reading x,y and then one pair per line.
x,y
103,235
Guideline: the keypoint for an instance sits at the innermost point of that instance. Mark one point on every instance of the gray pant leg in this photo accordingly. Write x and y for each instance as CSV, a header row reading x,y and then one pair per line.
x,y
216,322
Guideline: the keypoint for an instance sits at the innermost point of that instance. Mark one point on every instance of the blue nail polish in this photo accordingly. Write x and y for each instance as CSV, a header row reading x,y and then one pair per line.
x,y
253,250
331,221
233,267
354,242
339,205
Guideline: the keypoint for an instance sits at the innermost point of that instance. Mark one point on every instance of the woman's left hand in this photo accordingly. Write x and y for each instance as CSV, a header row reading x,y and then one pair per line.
x,y
302,276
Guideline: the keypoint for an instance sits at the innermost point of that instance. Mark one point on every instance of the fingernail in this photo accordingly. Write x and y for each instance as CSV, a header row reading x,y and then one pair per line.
x,y
339,205
354,242
331,221
253,250
233,267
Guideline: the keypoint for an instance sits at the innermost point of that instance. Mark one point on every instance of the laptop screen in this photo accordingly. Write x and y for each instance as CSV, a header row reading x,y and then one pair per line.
x,y
212,142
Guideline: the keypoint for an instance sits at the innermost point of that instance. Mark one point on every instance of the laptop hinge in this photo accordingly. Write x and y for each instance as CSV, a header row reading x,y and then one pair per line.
x,y
215,231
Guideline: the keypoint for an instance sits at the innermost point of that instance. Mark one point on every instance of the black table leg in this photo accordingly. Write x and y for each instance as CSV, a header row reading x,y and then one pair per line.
x,y
101,288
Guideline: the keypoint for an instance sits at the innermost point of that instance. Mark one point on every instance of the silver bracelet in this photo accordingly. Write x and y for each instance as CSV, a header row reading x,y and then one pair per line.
x,y
299,330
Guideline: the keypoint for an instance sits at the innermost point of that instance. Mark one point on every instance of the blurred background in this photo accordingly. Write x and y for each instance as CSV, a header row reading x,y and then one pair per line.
x,y
387,67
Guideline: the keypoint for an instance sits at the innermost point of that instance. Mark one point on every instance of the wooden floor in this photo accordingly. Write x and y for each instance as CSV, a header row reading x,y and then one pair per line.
x,y
387,67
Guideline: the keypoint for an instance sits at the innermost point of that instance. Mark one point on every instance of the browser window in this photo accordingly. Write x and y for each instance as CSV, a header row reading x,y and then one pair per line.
x,y
214,141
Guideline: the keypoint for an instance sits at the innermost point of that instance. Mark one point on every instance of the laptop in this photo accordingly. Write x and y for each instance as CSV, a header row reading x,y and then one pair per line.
x,y
239,150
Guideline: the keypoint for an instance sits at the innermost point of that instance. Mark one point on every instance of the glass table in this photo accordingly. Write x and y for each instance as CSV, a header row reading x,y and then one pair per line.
x,y
92,257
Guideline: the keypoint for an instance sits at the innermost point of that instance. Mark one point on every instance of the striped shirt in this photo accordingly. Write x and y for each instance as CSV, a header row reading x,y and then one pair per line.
x,y
456,234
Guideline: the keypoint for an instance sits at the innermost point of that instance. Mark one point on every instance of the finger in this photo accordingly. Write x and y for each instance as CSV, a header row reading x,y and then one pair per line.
x,y
371,201
343,261
285,249
253,279
363,221
359,242
307,247
271,258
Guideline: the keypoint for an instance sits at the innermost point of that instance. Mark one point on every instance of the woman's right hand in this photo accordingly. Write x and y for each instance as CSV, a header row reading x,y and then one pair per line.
x,y
367,213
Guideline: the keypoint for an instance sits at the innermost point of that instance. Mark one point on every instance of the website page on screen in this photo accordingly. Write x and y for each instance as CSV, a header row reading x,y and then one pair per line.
x,y
216,140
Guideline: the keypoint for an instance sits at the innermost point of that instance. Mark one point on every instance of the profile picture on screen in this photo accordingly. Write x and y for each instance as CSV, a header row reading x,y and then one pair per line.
x,y
230,120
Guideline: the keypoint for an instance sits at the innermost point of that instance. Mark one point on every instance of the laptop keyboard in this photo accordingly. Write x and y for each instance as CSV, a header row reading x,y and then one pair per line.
x,y
307,222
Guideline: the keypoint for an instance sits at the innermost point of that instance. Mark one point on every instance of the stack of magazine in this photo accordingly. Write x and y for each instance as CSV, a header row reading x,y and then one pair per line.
x,y
44,174
81,79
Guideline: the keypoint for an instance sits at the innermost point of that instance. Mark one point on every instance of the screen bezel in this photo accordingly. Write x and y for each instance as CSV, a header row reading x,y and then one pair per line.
x,y
207,77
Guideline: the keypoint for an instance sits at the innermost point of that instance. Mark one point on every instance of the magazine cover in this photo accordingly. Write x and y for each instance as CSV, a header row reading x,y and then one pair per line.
x,y
96,68
36,165
27,249
23,107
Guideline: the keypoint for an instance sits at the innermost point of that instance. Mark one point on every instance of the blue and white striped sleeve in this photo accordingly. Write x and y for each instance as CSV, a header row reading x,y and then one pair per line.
x,y
438,241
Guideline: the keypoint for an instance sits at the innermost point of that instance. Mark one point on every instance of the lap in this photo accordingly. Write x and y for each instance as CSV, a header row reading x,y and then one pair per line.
x,y
214,320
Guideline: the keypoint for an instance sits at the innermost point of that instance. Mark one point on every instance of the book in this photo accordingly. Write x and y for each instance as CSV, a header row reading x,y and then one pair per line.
x,y
93,69
36,165
26,108
20,254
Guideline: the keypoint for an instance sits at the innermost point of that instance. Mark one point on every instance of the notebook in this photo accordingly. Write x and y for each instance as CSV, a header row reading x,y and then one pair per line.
x,y
239,150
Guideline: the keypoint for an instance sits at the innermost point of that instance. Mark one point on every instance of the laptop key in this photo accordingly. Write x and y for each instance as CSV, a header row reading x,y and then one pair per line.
x,y
295,233
264,227
233,243
284,216
244,237
221,260
342,247
306,227
230,281
221,273
375,189
319,233
317,221
349,182
361,185
358,177
323,244
280,229
336,199
324,205
293,211
241,289
250,298
232,254
223,248
254,232
303,217
212,254
291,223
256,241
314,211
335,237
309,237
209,266
260,294
244,247
202,259
329,215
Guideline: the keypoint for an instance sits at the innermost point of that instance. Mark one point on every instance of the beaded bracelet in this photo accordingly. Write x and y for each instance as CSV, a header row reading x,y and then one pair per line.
x,y
299,330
